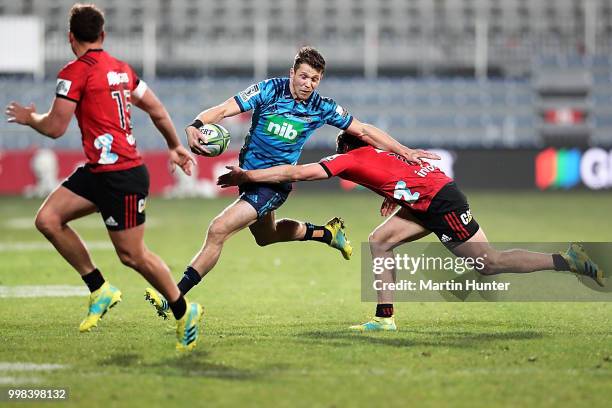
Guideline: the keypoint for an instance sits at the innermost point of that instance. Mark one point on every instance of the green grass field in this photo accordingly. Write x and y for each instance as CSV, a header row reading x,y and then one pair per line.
x,y
276,318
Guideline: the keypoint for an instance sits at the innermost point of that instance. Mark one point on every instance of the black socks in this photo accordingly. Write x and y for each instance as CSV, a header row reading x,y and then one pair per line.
x,y
560,263
179,307
94,280
189,280
384,310
310,235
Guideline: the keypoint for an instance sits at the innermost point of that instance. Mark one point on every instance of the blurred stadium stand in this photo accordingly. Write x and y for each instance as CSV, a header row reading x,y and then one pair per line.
x,y
428,112
202,36
427,90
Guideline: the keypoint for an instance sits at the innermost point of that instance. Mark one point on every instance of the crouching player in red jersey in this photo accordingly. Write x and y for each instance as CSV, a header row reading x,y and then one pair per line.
x,y
429,201
100,91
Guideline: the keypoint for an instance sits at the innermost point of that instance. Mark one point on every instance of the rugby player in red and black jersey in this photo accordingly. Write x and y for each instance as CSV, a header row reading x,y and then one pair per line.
x,y
100,90
429,201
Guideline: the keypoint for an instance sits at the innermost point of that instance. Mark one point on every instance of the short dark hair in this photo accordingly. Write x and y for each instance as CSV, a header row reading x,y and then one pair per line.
x,y
346,142
86,22
309,55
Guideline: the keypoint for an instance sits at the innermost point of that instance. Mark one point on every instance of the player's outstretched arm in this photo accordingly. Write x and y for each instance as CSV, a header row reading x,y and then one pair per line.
x,y
52,124
149,103
213,115
276,174
382,140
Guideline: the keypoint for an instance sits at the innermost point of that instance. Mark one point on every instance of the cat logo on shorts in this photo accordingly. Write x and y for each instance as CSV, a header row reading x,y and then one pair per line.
x,y
141,205
466,217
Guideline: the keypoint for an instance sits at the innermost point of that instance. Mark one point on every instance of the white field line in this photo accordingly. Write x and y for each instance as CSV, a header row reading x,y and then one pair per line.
x,y
18,366
25,223
42,291
19,380
24,246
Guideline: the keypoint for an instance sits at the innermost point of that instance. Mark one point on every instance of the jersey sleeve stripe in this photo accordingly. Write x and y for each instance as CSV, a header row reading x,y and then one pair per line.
x,y
348,124
329,173
66,97
140,89
237,99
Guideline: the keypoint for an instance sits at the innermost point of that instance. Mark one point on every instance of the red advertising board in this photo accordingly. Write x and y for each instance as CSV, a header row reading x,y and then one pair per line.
x,y
25,171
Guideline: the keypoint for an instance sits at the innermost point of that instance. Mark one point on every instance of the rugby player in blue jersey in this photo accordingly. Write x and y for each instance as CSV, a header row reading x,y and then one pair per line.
x,y
286,111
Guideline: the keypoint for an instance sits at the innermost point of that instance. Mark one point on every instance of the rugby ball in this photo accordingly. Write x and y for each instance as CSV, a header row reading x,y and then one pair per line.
x,y
217,139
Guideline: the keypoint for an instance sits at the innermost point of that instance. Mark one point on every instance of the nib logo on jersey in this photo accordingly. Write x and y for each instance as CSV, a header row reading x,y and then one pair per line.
x,y
284,129
566,168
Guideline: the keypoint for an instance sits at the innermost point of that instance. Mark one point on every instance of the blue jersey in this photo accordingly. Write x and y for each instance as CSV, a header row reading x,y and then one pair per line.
x,y
281,125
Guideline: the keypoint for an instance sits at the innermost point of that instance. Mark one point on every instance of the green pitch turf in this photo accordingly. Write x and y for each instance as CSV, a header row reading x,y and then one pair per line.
x,y
276,319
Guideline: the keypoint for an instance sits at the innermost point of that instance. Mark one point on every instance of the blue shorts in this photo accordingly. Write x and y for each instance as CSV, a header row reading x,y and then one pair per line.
x,y
265,197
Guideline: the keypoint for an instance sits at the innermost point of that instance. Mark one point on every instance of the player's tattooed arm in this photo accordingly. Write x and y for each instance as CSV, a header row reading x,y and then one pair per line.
x,y
278,174
382,140
52,124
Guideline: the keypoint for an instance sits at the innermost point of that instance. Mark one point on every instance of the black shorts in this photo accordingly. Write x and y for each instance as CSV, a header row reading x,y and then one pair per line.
x,y
449,216
119,195
265,197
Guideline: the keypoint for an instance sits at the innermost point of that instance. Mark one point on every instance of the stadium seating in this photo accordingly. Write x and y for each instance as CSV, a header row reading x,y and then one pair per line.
x,y
435,112
420,36
428,33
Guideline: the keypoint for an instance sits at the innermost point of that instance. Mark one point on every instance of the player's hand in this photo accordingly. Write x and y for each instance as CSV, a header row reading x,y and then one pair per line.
x,y
417,155
17,113
179,155
234,177
193,139
387,207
